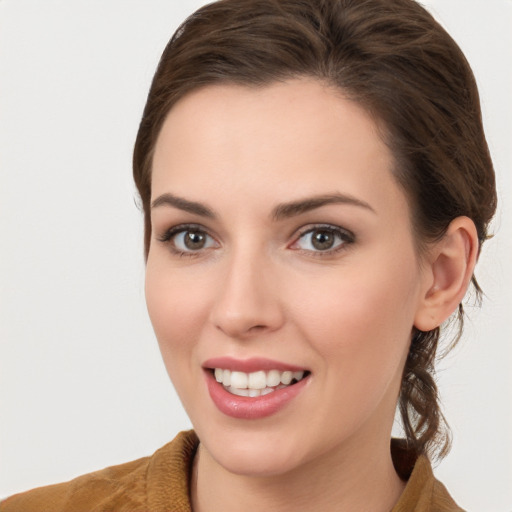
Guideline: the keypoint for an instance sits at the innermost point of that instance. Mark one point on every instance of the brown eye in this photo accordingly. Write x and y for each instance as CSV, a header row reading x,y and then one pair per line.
x,y
188,240
194,240
322,239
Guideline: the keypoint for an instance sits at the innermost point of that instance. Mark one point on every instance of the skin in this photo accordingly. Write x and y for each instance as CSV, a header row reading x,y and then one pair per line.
x,y
259,288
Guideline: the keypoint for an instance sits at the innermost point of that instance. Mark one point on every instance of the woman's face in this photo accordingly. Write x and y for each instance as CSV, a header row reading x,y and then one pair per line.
x,y
282,248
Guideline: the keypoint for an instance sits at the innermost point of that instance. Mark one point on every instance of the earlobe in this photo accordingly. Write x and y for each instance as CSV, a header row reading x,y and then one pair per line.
x,y
450,269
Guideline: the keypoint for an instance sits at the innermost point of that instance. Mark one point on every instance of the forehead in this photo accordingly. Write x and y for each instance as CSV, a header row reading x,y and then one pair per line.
x,y
298,137
292,109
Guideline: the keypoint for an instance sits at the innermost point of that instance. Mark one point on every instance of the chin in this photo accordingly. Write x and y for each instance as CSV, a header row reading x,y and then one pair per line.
x,y
255,462
257,454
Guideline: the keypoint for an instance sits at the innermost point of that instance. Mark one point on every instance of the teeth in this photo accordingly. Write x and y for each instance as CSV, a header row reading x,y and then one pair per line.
x,y
256,383
273,378
257,380
239,380
286,378
237,391
298,375
251,392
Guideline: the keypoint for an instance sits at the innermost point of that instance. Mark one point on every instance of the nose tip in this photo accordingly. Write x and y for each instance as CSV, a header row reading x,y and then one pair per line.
x,y
241,325
247,304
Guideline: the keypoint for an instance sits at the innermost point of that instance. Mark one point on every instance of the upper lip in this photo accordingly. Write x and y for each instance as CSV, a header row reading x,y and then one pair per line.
x,y
252,364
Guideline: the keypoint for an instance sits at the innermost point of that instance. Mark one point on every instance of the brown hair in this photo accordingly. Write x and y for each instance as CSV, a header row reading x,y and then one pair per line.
x,y
396,61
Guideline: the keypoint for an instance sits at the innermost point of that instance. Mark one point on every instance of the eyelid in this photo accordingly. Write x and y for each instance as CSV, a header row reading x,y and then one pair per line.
x,y
344,234
169,234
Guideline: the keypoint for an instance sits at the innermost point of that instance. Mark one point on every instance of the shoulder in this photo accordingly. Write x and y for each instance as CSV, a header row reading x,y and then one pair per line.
x,y
423,492
95,491
133,486
441,499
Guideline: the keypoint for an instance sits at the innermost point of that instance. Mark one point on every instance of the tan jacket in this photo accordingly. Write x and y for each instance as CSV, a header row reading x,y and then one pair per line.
x,y
160,483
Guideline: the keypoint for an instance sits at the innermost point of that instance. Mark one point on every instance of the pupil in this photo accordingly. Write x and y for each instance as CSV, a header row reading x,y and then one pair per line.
x,y
194,240
322,240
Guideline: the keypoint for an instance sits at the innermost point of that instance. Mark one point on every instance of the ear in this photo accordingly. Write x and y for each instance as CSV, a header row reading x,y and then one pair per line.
x,y
448,272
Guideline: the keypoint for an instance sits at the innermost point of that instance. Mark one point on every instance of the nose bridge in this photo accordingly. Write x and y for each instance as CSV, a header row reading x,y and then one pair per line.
x,y
247,301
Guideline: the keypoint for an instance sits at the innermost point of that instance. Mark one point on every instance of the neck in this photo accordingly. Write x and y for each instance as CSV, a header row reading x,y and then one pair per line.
x,y
346,479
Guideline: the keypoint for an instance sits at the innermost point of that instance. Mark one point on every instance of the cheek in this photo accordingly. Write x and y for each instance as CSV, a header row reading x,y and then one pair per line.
x,y
177,309
363,317
361,330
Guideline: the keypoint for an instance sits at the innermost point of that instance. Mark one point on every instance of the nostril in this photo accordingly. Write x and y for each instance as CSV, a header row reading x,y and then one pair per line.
x,y
257,328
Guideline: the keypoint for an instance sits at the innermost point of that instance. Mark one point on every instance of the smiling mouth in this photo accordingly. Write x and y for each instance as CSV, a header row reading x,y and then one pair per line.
x,y
257,383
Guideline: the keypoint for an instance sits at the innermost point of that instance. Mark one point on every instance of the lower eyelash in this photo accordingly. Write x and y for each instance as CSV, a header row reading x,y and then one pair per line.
x,y
346,236
168,235
183,254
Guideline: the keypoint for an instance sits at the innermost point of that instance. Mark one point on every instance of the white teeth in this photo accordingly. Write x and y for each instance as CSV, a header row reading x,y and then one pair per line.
x,y
257,380
273,378
239,380
237,391
250,392
298,375
256,383
286,378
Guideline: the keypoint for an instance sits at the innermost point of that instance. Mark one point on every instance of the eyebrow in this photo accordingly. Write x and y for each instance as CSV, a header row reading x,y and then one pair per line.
x,y
281,211
294,208
183,204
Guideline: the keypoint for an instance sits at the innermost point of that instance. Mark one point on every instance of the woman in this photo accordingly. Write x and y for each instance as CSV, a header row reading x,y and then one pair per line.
x,y
316,188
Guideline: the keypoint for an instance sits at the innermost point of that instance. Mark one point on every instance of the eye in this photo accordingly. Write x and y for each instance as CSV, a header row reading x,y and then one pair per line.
x,y
323,239
188,239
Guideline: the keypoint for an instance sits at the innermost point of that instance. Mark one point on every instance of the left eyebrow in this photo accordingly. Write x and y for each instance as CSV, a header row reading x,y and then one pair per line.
x,y
183,204
286,210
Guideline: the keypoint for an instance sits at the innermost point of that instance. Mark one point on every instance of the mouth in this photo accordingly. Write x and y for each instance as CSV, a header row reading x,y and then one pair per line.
x,y
257,383
254,388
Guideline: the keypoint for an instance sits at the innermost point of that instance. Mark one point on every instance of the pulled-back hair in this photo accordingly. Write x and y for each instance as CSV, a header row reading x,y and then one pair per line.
x,y
397,62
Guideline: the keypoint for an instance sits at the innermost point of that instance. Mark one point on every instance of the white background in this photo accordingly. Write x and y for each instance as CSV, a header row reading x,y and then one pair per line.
x,y
82,385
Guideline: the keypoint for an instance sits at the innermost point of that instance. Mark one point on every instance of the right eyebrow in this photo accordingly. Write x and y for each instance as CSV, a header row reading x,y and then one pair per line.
x,y
286,210
183,204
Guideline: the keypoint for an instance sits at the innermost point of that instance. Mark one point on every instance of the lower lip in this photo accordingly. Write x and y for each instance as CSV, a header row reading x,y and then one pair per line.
x,y
243,407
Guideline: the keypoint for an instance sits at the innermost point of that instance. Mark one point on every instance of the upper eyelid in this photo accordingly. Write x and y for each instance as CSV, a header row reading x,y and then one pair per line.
x,y
168,239
183,226
347,239
312,227
167,234
178,228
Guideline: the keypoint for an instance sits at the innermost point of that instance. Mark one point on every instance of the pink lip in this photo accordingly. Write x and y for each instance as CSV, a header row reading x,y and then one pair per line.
x,y
249,365
242,407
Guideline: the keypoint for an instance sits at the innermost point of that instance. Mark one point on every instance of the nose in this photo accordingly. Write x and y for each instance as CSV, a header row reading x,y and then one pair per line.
x,y
248,300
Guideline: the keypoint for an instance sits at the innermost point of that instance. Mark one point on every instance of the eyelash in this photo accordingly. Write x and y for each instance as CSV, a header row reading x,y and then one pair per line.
x,y
168,239
344,236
